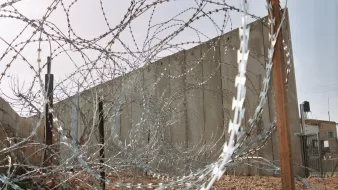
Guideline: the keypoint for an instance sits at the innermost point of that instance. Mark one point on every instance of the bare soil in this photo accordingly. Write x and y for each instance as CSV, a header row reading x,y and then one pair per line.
x,y
229,182
264,182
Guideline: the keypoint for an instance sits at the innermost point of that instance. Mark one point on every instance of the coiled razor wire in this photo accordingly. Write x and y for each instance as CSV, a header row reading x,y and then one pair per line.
x,y
103,61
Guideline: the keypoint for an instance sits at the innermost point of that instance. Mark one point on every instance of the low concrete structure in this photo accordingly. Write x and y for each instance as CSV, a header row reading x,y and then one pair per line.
x,y
328,135
14,129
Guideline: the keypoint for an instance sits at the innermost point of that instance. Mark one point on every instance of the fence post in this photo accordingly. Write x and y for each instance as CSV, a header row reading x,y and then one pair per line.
x,y
49,79
281,99
303,139
306,156
320,154
101,131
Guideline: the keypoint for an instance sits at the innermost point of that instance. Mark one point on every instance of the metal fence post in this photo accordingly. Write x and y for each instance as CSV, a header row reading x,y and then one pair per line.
x,y
303,141
320,154
101,131
49,79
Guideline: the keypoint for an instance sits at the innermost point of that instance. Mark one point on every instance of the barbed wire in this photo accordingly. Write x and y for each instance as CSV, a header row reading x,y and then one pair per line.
x,y
144,93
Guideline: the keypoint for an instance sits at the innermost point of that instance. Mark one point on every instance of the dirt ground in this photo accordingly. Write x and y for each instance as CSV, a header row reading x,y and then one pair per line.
x,y
84,182
263,182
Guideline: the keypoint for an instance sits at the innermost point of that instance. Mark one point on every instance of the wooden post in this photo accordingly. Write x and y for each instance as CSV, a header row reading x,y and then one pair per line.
x,y
281,99
101,131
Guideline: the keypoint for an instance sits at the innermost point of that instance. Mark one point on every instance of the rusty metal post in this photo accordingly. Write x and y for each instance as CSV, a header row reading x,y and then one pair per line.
x,y
320,151
281,99
101,131
49,80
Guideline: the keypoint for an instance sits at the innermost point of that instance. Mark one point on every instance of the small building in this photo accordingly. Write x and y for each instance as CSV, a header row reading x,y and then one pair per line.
x,y
327,132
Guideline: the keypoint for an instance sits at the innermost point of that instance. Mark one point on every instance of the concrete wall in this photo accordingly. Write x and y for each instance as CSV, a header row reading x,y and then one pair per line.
x,y
326,127
14,129
329,153
8,122
311,129
184,100
323,128
293,101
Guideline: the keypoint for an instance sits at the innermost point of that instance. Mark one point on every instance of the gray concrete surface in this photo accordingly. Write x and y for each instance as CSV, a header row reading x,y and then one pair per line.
x,y
190,94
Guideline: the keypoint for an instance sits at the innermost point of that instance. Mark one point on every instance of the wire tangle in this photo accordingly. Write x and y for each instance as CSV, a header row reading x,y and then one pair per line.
x,y
144,94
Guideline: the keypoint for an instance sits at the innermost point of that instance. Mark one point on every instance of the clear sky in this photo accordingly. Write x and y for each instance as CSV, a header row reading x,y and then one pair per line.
x,y
314,34
314,30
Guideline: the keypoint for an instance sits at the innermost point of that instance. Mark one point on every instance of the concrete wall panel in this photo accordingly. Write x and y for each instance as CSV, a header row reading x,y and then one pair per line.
x,y
256,67
228,52
195,95
112,104
229,69
271,101
213,112
88,128
149,98
163,93
139,131
292,101
179,132
126,108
